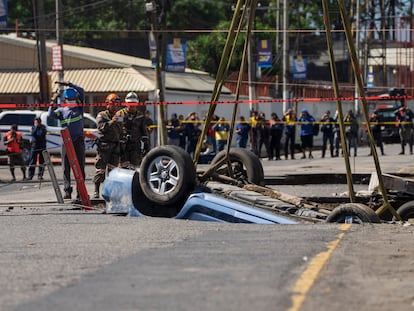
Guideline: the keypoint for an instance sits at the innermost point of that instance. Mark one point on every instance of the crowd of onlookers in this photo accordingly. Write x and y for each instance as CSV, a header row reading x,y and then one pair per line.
x,y
276,137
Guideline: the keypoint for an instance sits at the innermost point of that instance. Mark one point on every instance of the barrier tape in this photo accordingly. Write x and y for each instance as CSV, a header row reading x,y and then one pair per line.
x,y
220,102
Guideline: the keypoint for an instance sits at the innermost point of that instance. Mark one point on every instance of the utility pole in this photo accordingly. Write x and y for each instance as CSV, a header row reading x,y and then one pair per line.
x,y
39,17
285,51
151,8
59,41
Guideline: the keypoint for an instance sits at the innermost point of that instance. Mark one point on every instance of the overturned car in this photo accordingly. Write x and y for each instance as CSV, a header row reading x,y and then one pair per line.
x,y
167,185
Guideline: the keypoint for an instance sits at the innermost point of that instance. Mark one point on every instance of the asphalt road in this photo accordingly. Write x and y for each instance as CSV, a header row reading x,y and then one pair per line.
x,y
57,257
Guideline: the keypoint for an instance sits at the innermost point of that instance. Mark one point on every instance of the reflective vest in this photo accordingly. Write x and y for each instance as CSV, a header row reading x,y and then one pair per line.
x,y
14,146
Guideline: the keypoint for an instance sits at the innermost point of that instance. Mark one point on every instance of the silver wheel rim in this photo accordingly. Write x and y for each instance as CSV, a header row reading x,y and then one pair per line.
x,y
163,175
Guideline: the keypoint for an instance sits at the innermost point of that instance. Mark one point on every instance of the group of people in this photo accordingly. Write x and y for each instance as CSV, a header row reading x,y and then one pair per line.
x,y
125,135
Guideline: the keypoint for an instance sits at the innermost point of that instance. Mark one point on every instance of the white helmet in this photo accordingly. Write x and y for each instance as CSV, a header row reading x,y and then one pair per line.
x,y
131,97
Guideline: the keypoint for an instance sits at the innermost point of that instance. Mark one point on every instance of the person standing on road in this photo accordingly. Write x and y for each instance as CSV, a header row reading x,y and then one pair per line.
x,y
38,133
404,117
351,131
327,129
337,134
70,113
222,129
242,130
290,132
263,135
375,123
173,130
276,132
110,129
306,132
134,129
13,140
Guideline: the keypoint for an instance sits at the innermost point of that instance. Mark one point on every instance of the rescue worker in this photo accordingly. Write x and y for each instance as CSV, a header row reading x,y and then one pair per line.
x,y
134,129
70,114
110,130
13,140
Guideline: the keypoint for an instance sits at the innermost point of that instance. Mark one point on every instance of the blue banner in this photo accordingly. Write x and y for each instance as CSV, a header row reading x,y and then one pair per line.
x,y
299,67
176,56
264,52
3,14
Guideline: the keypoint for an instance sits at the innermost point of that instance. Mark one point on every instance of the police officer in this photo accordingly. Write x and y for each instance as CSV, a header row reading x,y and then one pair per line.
x,y
404,117
38,146
134,129
110,129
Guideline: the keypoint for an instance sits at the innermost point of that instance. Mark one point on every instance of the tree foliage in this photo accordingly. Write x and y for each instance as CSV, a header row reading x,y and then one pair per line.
x,y
85,21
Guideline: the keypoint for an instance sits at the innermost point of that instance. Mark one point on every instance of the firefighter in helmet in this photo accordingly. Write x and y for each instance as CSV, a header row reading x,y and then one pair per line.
x,y
110,129
134,130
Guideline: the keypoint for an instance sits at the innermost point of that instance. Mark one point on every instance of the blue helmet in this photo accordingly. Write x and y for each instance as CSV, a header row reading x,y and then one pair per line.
x,y
70,93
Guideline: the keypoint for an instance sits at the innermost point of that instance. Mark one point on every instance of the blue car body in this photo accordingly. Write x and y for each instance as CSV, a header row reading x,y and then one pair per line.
x,y
201,206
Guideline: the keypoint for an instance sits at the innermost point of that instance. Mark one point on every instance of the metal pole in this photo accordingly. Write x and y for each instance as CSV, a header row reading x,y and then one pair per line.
x,y
285,60
59,40
159,92
53,178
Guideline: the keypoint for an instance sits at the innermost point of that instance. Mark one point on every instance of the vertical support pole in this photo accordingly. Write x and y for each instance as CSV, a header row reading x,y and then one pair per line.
x,y
74,164
52,174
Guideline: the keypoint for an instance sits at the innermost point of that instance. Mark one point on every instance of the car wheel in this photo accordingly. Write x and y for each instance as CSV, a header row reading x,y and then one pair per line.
x,y
167,175
149,208
353,213
406,211
246,166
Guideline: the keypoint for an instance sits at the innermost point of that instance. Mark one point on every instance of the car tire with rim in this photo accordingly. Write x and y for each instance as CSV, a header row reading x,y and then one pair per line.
x,y
167,175
353,213
246,166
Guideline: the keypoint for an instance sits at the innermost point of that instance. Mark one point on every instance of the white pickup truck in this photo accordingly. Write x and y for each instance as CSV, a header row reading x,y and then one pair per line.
x,y
24,120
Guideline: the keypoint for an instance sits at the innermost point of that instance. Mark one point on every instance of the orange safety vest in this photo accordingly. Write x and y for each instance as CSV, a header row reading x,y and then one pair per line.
x,y
14,146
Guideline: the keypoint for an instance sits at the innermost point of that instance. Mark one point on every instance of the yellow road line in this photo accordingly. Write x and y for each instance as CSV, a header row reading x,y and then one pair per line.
x,y
309,276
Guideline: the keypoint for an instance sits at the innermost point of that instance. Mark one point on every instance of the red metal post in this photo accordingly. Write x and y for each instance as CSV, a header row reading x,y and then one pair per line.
x,y
74,164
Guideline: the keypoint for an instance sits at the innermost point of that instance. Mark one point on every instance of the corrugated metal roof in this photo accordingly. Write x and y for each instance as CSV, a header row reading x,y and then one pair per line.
x,y
121,73
92,80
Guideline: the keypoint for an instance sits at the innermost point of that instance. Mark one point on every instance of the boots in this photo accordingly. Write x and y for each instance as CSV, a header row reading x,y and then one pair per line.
x,y
24,173
96,193
402,149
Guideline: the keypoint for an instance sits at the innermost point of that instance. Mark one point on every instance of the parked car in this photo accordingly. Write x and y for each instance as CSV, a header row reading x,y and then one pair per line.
x,y
24,119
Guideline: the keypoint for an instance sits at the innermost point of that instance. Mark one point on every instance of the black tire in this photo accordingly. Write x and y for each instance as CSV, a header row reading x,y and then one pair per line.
x,y
149,208
406,211
358,213
246,166
167,175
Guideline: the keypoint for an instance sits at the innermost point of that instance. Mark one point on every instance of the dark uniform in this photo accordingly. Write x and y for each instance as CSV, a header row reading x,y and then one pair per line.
x,y
134,129
108,147
404,117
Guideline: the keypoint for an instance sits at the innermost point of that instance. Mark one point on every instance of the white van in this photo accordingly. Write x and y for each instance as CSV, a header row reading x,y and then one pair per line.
x,y
24,120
